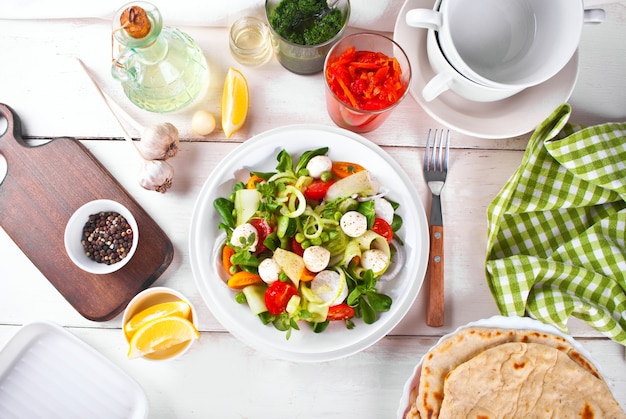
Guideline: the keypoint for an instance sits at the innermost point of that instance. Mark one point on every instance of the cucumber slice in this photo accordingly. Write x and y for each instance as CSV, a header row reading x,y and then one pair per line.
x,y
255,296
246,204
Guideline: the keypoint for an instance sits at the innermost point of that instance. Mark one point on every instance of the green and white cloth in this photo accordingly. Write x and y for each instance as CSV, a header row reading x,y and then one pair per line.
x,y
557,230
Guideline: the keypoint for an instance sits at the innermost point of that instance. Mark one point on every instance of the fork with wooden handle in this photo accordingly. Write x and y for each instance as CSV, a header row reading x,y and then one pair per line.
x,y
435,171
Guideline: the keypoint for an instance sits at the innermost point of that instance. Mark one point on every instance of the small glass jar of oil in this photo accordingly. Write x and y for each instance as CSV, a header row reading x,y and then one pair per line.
x,y
250,41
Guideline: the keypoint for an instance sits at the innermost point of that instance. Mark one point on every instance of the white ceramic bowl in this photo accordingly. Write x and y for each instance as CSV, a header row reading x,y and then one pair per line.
x,y
74,231
148,298
506,118
448,78
304,345
520,45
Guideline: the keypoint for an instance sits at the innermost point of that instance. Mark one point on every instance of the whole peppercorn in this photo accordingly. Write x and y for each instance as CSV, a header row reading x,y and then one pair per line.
x,y
107,237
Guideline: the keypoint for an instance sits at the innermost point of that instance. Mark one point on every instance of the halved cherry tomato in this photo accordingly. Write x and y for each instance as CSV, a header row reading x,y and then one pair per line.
x,y
296,247
317,190
340,312
242,279
343,169
263,230
277,296
383,228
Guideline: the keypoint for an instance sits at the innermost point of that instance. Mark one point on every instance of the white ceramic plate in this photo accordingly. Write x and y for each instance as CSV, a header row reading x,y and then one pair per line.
x,y
505,118
259,153
518,323
46,372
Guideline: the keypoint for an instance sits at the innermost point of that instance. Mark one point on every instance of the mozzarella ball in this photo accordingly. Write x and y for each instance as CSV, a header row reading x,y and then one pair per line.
x,y
316,258
244,232
269,270
203,122
318,165
383,209
375,259
353,223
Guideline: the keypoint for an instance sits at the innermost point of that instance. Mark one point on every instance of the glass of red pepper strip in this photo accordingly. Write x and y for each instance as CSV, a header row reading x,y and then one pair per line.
x,y
366,76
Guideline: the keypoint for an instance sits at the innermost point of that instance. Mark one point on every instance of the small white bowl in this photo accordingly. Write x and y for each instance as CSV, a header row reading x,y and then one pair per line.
x,y
148,298
74,233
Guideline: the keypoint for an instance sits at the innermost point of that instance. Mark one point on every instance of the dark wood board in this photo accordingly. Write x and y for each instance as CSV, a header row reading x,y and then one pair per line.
x,y
43,187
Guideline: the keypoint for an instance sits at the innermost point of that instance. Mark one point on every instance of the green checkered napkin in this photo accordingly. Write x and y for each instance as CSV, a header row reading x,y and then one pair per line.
x,y
557,230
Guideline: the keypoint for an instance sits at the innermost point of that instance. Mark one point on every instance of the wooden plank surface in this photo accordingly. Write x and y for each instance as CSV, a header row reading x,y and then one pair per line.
x,y
220,376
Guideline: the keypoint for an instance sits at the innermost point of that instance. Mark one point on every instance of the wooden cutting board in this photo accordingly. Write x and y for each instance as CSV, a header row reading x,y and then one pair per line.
x,y
44,185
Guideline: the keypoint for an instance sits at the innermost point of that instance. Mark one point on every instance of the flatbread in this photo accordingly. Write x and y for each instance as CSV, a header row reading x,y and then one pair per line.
x,y
464,345
525,380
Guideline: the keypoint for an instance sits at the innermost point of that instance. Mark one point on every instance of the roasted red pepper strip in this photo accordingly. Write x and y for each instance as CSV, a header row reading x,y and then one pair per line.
x,y
365,80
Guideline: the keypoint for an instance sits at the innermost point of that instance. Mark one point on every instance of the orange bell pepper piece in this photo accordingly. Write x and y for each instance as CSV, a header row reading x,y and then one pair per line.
x,y
242,279
307,276
227,253
343,169
254,179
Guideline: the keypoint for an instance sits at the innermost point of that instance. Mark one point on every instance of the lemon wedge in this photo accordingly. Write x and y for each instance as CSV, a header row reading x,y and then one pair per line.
x,y
235,98
161,334
171,308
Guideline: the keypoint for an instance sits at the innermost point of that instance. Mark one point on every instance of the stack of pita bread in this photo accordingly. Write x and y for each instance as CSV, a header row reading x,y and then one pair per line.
x,y
487,373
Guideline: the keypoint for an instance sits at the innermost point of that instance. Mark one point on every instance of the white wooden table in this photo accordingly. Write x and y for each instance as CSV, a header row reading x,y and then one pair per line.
x,y
221,377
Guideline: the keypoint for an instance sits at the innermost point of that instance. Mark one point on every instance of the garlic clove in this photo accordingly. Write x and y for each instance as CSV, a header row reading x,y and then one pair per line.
x,y
156,175
203,122
159,142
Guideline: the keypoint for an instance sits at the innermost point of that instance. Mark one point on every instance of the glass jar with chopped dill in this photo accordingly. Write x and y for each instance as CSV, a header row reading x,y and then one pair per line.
x,y
304,31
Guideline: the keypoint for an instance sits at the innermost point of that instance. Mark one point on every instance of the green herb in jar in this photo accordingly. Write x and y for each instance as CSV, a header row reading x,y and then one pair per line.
x,y
306,22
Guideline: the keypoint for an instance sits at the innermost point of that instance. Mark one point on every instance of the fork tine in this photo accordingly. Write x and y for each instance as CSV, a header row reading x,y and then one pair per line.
x,y
447,152
427,160
437,157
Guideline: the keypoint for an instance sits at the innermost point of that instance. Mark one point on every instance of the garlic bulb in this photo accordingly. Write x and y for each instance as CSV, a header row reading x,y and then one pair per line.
x,y
156,175
159,142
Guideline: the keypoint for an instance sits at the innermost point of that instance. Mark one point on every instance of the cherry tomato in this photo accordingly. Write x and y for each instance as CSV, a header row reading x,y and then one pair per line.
x,y
383,228
278,295
340,312
263,230
296,247
317,190
343,169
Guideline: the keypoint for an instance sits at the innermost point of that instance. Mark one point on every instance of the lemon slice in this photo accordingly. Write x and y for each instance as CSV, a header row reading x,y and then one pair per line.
x,y
235,100
171,308
161,334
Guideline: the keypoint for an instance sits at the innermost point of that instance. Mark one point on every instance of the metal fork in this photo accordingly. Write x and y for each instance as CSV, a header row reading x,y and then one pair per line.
x,y
435,171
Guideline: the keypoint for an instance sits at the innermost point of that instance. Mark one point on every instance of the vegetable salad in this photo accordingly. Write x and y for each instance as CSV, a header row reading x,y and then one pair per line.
x,y
309,242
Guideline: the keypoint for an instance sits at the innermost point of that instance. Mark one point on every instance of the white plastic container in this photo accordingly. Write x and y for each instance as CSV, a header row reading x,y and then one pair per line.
x,y
47,372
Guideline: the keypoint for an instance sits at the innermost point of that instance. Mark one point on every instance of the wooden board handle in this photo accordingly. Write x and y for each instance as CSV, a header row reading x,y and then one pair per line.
x,y
435,310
